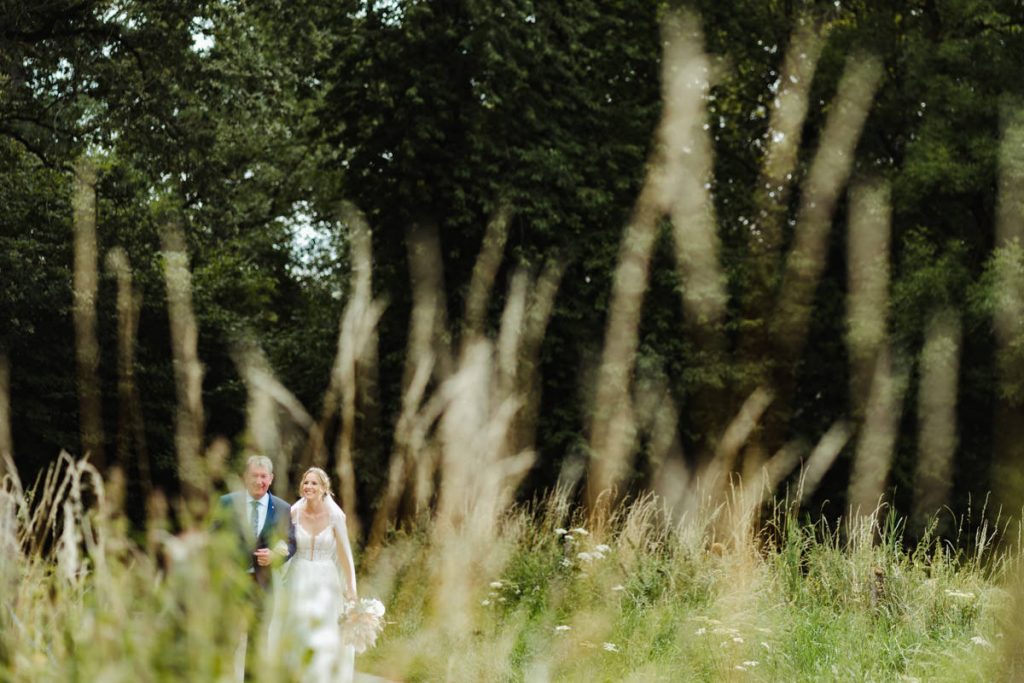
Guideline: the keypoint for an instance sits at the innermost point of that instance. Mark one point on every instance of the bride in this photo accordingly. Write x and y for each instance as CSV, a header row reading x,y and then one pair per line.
x,y
318,580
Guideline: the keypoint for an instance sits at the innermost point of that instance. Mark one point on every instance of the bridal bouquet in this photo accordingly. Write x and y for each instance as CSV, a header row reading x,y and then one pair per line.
x,y
361,623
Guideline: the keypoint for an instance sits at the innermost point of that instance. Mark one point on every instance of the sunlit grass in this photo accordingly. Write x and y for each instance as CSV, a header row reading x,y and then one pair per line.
x,y
646,599
814,606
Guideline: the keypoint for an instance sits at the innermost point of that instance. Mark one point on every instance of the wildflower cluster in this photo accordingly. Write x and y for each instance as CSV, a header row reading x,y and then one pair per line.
x,y
606,646
575,540
730,637
502,592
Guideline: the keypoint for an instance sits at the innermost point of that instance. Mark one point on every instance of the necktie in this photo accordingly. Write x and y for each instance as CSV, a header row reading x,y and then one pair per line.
x,y
255,518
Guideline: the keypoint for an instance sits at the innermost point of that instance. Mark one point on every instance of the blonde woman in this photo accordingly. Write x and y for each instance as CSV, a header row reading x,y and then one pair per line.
x,y
319,579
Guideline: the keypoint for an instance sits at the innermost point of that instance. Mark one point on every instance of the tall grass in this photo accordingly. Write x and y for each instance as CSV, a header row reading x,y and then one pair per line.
x,y
544,599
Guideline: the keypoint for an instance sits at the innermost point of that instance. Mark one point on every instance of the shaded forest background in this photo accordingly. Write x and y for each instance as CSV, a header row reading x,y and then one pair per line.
x,y
249,125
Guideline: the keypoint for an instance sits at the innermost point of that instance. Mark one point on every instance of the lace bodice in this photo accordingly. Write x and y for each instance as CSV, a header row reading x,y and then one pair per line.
x,y
318,548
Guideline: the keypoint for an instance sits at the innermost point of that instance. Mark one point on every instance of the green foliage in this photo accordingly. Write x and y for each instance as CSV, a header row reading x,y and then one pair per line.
x,y
929,277
35,301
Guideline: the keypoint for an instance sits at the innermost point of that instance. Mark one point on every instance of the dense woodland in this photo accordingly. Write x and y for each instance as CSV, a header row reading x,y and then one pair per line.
x,y
255,125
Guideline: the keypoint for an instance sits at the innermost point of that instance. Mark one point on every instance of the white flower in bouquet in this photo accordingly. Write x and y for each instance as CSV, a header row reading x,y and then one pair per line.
x,y
361,623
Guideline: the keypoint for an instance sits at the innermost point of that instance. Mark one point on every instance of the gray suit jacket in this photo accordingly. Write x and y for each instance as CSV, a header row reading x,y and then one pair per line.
x,y
231,514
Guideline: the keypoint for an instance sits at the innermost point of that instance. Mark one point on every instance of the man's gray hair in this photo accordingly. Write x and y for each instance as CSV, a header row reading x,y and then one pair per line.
x,y
261,461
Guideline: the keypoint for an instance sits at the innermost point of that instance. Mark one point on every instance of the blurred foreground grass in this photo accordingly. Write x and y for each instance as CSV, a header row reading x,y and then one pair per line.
x,y
544,599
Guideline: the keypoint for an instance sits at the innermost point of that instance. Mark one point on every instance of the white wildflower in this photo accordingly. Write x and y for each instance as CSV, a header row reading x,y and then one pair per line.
x,y
966,595
485,603
981,640
496,584
581,531
737,639
565,562
603,548
701,631
739,667
751,663
561,628
766,645
560,531
610,647
618,588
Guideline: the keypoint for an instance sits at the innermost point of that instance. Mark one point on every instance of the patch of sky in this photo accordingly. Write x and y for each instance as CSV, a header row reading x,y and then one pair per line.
x,y
313,248
202,35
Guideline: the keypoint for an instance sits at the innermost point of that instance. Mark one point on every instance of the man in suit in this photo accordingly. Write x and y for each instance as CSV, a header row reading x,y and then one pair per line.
x,y
262,525
263,521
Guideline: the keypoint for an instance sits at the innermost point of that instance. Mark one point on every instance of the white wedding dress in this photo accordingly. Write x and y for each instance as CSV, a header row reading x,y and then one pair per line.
x,y
305,630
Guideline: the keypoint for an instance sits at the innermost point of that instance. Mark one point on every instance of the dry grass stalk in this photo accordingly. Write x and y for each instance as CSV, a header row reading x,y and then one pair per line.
x,y
821,458
688,174
827,176
485,270
13,503
1008,318
655,403
510,372
510,335
54,514
356,345
477,471
402,464
868,238
188,370
759,484
777,178
936,411
873,457
356,337
613,428
269,401
428,356
716,475
6,443
429,333
131,434
785,127
462,436
86,285
527,372
478,477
